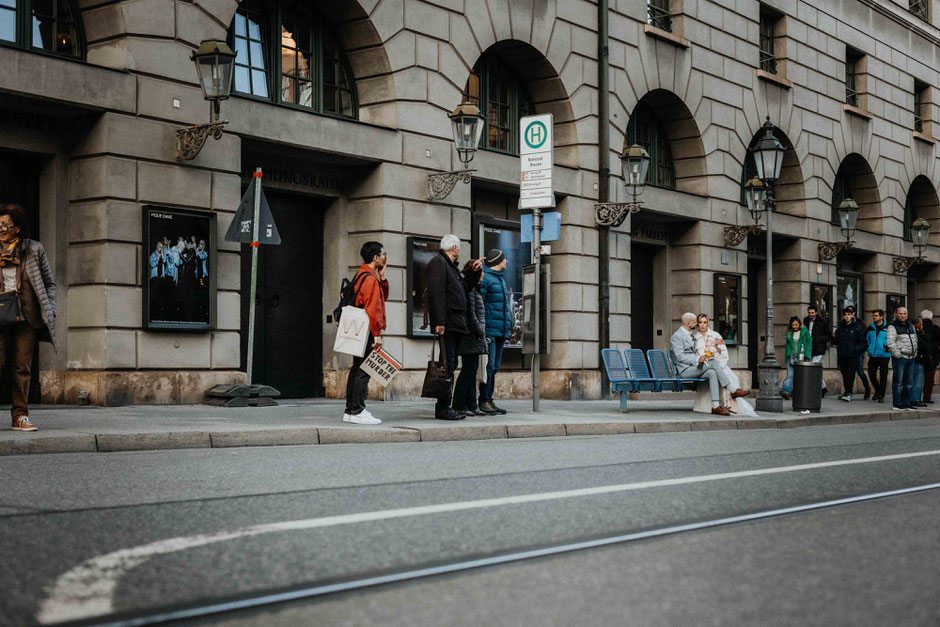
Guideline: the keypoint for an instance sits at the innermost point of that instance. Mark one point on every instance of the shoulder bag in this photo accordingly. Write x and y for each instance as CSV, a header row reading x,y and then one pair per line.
x,y
438,380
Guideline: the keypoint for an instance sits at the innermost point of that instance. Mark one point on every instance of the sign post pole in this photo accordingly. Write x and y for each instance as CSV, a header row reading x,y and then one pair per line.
x,y
256,182
537,192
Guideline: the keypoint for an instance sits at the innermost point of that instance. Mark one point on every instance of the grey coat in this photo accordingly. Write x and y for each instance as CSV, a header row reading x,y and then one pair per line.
x,y
683,350
36,267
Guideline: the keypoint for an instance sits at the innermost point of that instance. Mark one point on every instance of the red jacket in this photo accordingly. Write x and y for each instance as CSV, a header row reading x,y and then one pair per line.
x,y
373,292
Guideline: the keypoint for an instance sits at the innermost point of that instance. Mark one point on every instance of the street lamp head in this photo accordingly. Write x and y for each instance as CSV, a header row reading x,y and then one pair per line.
x,y
920,231
636,165
768,154
215,63
755,193
848,214
467,122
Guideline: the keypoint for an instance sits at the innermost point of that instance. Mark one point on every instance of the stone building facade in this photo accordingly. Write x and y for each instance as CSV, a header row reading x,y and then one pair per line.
x,y
343,104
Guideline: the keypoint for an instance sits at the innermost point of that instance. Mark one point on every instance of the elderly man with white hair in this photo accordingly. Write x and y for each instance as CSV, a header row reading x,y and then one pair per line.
x,y
447,308
691,365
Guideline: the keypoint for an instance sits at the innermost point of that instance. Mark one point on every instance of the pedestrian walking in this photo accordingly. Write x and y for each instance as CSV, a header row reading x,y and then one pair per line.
x,y
447,309
861,361
371,294
471,346
902,344
876,337
27,280
799,348
850,340
819,331
917,379
498,323
932,339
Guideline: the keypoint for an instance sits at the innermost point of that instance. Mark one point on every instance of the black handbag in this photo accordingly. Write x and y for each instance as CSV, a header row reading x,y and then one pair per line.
x,y
10,311
438,380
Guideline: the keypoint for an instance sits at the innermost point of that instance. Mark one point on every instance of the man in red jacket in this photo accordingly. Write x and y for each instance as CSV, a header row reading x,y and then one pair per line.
x,y
371,295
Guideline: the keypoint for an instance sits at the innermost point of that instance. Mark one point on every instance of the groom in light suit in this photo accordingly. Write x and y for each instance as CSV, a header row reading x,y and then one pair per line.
x,y
690,365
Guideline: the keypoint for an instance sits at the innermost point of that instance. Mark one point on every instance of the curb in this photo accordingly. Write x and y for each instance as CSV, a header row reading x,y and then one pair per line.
x,y
157,441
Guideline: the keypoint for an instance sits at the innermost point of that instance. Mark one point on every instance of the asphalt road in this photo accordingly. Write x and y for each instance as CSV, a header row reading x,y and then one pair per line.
x,y
219,524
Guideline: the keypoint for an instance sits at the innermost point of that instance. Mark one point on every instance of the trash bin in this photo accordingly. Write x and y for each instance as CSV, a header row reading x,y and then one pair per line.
x,y
807,386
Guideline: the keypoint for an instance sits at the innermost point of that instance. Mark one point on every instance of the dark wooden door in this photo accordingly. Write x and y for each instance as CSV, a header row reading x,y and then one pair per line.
x,y
19,183
641,290
288,340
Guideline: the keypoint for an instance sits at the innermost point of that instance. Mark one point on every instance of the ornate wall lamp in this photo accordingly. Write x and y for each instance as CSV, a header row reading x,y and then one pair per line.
x,y
215,63
467,123
755,193
848,214
920,231
636,164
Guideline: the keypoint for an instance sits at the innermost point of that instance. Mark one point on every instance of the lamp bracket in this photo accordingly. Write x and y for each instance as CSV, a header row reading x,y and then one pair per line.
x,y
441,185
190,140
614,213
734,235
903,264
829,250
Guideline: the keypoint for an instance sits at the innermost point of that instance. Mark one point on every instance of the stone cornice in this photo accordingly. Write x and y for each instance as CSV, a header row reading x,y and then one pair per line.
x,y
908,20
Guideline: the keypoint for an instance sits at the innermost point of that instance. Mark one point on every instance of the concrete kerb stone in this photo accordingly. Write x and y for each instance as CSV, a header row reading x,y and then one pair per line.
x,y
600,428
266,437
711,425
442,434
662,427
83,443
369,436
113,442
536,431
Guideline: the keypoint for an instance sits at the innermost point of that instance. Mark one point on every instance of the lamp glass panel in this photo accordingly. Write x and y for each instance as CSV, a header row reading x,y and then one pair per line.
x,y
920,234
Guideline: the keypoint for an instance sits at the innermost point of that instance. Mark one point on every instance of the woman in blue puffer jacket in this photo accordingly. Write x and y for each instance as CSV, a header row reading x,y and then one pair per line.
x,y
496,296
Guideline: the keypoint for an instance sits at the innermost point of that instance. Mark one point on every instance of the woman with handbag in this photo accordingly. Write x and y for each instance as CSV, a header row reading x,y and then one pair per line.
x,y
471,346
27,306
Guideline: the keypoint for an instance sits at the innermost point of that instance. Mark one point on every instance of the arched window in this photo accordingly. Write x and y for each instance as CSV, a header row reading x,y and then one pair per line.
x,y
284,53
502,99
645,129
47,25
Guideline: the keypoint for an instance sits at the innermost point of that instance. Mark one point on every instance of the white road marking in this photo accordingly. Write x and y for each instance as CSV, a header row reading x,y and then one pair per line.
x,y
87,590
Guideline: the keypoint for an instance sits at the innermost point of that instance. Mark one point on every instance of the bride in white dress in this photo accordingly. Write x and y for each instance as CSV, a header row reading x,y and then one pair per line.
x,y
709,343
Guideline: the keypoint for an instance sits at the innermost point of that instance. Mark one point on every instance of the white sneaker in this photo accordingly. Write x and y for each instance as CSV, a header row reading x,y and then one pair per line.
x,y
363,418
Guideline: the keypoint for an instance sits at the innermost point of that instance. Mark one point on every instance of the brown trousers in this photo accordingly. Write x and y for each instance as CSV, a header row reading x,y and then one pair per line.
x,y
17,343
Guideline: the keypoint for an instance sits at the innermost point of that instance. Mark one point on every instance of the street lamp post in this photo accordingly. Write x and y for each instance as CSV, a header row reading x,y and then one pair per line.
x,y
768,157
920,232
636,165
467,123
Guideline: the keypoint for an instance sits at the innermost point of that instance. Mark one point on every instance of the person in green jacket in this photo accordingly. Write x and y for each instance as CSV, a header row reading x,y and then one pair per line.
x,y
799,348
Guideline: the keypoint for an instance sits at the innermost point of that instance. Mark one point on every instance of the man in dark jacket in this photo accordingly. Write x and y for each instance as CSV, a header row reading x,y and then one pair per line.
x,y
850,338
499,322
818,328
932,350
447,308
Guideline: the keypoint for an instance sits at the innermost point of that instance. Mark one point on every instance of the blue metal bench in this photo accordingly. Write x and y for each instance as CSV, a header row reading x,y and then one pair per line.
x,y
622,381
691,382
663,371
640,371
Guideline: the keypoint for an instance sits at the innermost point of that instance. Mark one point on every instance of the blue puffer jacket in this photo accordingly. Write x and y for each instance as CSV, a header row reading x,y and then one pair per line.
x,y
878,341
496,296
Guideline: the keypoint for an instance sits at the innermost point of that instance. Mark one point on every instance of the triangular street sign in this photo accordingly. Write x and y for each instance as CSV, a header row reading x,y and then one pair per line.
x,y
241,228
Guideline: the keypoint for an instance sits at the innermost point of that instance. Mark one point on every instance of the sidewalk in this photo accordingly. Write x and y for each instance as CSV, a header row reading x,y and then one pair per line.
x,y
71,429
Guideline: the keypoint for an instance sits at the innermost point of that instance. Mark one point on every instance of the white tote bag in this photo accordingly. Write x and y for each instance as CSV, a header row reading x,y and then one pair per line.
x,y
352,336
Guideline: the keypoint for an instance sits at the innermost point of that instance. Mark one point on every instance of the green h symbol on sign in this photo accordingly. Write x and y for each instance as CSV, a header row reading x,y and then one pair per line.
x,y
535,134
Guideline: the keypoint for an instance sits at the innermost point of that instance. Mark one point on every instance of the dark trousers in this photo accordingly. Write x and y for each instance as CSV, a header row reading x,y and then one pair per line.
x,y
848,367
17,343
493,362
861,373
450,347
928,383
357,385
465,390
902,382
878,371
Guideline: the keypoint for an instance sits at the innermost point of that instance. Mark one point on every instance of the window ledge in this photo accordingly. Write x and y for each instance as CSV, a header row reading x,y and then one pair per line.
x,y
672,38
856,111
775,79
924,138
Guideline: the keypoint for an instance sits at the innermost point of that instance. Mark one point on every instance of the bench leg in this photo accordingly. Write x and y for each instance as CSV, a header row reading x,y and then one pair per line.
x,y
623,401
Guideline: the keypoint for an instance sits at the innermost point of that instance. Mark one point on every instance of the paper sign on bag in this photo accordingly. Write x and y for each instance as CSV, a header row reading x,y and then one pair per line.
x,y
381,366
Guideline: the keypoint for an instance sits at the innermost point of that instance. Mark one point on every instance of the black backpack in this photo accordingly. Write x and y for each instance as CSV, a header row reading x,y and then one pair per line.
x,y
348,293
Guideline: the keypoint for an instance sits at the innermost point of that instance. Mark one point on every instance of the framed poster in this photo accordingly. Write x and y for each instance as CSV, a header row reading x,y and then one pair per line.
x,y
420,251
179,269
821,296
727,322
506,236
848,292
892,304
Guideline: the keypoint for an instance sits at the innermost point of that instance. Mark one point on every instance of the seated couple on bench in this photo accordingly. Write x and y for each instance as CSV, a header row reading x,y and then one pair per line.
x,y
701,352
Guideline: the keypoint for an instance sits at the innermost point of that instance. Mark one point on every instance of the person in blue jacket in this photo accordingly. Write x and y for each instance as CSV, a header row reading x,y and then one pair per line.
x,y
498,303
850,338
878,354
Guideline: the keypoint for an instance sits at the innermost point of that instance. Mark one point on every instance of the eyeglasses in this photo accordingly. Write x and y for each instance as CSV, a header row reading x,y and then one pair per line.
x,y
6,227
